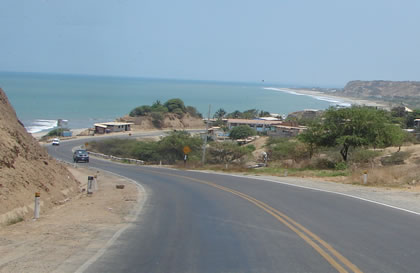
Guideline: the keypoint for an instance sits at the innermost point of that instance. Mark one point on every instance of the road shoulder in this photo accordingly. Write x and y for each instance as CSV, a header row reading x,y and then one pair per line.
x,y
67,236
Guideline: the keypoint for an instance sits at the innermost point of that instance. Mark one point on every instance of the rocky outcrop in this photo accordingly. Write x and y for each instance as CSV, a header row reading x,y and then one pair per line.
x,y
26,168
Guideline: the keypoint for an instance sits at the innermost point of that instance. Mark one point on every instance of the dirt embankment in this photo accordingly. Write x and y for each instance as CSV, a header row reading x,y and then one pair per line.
x,y
26,168
170,121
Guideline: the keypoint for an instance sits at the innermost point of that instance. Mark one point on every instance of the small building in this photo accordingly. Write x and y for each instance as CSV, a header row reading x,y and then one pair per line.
x,y
258,125
285,130
217,133
111,127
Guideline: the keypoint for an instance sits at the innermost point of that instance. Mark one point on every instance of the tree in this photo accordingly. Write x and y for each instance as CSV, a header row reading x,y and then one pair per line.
x,y
140,111
171,147
225,152
311,136
235,114
242,131
250,114
264,114
158,107
193,112
354,127
220,113
175,106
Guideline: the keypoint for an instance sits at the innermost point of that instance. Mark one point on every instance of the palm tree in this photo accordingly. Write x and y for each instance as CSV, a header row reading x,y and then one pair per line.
x,y
220,113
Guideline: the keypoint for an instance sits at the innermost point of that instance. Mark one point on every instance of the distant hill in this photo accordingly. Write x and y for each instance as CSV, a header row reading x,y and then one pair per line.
x,y
382,89
393,92
26,168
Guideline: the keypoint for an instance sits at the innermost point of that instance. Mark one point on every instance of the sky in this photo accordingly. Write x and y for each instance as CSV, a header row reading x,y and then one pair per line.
x,y
295,42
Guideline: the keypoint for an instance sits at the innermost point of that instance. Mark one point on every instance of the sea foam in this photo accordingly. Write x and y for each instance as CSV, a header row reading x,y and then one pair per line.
x,y
40,125
333,101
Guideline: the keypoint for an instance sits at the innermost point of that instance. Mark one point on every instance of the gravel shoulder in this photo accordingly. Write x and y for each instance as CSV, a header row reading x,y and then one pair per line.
x,y
65,237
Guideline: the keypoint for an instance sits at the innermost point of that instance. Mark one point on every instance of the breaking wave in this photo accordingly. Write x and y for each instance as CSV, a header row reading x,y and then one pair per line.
x,y
40,125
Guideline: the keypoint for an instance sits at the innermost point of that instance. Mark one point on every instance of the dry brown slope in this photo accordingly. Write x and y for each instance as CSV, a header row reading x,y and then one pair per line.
x,y
26,168
382,89
170,121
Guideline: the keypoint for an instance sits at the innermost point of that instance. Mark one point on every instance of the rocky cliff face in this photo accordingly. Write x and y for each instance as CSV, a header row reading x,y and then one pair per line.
x,y
382,89
26,168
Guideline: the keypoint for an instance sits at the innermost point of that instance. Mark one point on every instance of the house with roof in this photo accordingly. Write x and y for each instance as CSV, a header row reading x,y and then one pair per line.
x,y
257,124
286,130
111,127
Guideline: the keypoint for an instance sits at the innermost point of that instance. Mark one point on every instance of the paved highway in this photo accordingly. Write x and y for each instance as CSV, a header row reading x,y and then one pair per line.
x,y
200,222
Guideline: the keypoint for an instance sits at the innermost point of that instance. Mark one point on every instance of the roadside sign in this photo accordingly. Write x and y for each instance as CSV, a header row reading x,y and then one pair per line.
x,y
187,150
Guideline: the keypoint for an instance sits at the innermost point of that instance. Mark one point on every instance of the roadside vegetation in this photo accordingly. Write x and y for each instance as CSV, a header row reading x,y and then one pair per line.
x,y
340,145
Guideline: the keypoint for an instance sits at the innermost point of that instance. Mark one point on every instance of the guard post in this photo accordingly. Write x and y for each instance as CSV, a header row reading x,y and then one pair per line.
x,y
37,205
90,185
365,177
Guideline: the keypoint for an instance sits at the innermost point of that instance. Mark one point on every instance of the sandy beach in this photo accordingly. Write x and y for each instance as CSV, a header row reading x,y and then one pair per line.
x,y
344,101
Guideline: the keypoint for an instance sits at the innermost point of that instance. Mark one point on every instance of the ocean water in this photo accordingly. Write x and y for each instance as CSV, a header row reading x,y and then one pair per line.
x,y
41,99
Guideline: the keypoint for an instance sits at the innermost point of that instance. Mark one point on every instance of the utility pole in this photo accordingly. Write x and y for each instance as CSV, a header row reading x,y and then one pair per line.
x,y
203,159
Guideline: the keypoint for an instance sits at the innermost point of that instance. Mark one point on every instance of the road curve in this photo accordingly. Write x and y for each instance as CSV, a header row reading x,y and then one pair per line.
x,y
200,222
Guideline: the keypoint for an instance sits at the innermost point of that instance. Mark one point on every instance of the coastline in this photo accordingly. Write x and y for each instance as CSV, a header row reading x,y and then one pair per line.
x,y
338,100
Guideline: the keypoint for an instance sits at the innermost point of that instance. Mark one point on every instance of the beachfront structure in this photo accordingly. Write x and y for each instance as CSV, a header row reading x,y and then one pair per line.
x,y
113,126
258,125
285,130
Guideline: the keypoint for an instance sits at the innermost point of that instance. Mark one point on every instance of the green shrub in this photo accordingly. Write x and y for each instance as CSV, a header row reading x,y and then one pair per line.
x,y
324,163
140,111
364,155
57,132
157,119
14,220
175,106
396,158
287,149
250,147
242,131
169,149
340,166
226,152
193,112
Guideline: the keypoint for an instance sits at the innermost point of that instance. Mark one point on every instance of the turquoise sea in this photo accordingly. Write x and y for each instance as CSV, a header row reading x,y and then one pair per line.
x,y
41,99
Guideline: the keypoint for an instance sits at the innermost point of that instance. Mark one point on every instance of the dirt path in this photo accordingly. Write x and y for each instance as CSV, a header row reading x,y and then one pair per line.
x,y
62,239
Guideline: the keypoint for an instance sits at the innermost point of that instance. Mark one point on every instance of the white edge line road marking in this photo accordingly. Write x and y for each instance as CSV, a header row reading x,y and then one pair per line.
x,y
117,234
315,189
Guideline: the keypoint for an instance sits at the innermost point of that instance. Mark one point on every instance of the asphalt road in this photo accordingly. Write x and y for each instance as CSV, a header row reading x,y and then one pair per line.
x,y
200,222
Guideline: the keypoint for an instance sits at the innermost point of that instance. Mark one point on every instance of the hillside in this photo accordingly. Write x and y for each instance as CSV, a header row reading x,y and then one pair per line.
x,y
402,91
26,168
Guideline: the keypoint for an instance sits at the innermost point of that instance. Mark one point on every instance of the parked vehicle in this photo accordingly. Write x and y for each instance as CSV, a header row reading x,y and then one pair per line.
x,y
56,142
80,155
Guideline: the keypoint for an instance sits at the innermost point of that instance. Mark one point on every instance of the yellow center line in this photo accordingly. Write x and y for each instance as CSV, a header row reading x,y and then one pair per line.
x,y
300,230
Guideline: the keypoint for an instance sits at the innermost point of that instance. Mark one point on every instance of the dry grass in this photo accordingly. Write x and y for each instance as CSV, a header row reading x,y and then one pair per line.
x,y
396,176
14,220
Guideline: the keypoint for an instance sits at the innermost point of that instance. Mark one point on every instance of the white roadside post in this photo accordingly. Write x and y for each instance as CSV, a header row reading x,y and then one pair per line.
x,y
37,205
90,185
365,177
